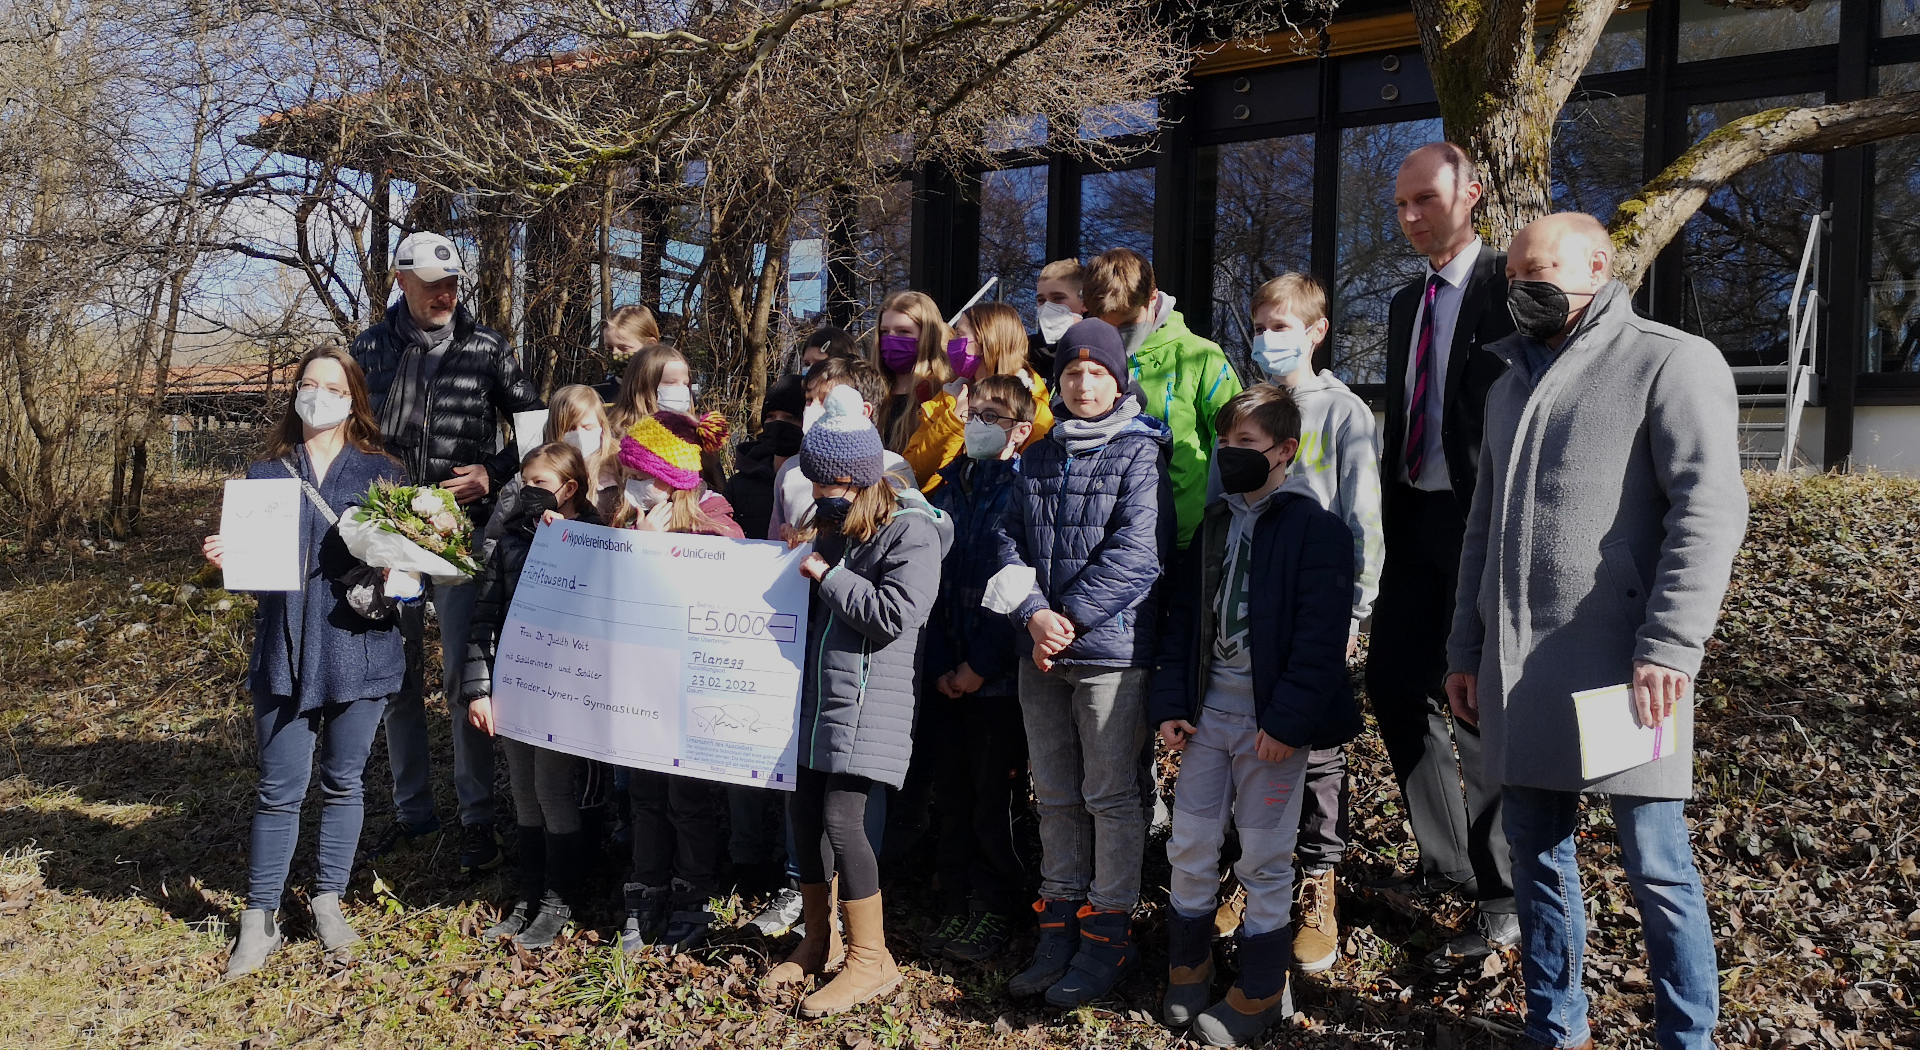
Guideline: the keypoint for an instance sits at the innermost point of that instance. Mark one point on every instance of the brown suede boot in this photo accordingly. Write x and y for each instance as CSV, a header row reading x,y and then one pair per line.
x,y
1316,938
869,973
820,949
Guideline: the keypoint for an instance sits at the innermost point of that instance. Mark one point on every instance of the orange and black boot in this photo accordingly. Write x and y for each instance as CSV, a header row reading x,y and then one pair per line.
x,y
1107,953
1053,954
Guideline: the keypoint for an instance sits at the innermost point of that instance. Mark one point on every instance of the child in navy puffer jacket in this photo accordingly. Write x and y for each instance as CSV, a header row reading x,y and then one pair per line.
x,y
1094,522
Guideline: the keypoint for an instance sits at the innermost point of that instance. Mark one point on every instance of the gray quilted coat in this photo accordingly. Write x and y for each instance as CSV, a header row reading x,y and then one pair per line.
x,y
863,646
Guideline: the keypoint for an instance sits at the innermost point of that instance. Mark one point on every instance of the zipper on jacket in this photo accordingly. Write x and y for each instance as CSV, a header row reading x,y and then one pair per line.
x,y
819,688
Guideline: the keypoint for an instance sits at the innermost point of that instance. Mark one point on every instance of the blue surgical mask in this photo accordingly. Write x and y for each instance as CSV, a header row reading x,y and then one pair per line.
x,y
1280,354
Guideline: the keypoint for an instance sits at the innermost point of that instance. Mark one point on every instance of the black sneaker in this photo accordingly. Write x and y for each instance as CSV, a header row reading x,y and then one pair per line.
x,y
401,834
943,933
1420,886
985,937
481,849
688,921
646,915
1489,932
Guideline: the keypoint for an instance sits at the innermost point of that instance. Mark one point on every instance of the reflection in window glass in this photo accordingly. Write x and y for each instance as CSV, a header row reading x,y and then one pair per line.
x,y
1623,45
1260,195
1741,250
1709,30
1372,258
1017,132
1116,211
1597,153
1899,17
1013,233
1893,293
885,246
1120,118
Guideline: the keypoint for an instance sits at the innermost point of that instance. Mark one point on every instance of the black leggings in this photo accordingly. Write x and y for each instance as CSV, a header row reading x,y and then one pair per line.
x,y
829,815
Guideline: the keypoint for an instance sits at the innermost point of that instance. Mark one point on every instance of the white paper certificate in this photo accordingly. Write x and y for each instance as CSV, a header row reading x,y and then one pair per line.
x,y
529,431
657,651
1611,737
260,529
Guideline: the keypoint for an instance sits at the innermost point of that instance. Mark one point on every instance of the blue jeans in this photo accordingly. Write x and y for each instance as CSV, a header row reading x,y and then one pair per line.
x,y
407,745
1553,928
344,734
1085,729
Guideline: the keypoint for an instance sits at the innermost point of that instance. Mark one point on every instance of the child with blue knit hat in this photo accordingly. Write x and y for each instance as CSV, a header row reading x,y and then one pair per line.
x,y
875,569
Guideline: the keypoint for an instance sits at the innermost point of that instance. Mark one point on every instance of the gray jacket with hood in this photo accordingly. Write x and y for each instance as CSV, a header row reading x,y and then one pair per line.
x,y
863,646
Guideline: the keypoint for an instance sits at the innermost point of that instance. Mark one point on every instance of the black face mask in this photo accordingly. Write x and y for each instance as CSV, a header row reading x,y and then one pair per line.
x,y
533,502
831,510
1539,309
1242,469
781,436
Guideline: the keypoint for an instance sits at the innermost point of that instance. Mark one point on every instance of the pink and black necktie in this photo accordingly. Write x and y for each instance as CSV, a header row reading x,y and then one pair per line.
x,y
1416,451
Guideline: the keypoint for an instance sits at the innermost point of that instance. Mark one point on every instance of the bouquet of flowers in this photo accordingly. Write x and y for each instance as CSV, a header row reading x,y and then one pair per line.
x,y
412,530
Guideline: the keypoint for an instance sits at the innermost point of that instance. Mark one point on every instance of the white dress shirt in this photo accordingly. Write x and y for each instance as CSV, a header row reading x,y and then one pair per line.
x,y
1446,313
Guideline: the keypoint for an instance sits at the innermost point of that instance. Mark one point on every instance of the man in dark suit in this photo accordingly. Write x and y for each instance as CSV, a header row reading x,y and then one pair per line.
x,y
1438,372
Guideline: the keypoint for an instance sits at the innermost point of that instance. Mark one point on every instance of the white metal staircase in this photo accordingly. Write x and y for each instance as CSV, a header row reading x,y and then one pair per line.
x,y
1785,389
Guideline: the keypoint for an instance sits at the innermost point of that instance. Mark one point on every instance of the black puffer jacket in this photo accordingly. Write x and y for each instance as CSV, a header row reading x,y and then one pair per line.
x,y
478,376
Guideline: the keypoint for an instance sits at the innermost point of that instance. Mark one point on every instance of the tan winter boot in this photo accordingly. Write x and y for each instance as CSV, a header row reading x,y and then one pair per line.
x,y
819,949
1316,939
869,973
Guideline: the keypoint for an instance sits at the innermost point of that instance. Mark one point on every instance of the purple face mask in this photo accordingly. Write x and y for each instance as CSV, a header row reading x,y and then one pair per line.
x,y
898,352
960,354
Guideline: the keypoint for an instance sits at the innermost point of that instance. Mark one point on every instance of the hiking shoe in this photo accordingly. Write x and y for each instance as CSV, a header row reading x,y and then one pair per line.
x,y
481,849
1053,953
777,919
1490,932
985,936
943,933
401,834
1316,936
1107,954
646,915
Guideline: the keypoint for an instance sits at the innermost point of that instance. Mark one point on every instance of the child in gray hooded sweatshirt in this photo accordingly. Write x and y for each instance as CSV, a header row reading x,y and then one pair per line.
x,y
1339,465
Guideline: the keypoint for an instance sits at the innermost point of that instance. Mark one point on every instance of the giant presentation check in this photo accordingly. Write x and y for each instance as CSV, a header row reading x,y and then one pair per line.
x,y
658,651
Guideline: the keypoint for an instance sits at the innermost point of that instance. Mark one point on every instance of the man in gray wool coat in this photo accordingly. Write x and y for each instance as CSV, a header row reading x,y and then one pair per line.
x,y
1603,529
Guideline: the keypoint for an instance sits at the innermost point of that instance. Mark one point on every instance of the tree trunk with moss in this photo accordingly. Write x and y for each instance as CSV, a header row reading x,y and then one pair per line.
x,y
1499,99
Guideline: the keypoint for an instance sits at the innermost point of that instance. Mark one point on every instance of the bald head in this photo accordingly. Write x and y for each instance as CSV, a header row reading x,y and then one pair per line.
x,y
1568,250
1434,195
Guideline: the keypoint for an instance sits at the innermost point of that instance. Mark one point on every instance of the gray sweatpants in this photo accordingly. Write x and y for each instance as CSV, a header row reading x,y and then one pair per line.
x,y
1085,727
544,794
1222,779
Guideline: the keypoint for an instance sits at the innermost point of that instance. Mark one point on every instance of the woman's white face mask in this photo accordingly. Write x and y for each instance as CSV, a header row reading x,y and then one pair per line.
x,y
322,409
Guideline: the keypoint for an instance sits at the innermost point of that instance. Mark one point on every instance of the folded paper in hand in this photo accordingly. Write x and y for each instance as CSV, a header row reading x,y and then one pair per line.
x,y
1612,738
1008,588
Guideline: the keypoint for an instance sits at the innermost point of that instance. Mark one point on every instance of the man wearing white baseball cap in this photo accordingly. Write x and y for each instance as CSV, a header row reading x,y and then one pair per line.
x,y
439,383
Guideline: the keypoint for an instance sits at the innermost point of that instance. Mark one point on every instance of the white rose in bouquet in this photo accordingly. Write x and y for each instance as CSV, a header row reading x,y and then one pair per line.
x,y
428,503
443,522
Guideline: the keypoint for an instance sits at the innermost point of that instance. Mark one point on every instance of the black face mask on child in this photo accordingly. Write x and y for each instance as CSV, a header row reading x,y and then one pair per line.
x,y
831,510
535,501
1242,469
781,436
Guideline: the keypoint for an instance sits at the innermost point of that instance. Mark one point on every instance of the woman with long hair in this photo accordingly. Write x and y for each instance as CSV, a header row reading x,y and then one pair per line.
x,y
912,354
320,671
990,340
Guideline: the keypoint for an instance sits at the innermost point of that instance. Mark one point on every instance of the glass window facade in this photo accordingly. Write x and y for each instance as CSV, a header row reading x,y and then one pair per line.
x,y
1116,211
1599,153
1259,198
1372,257
1892,342
1899,17
1013,233
1741,251
1710,30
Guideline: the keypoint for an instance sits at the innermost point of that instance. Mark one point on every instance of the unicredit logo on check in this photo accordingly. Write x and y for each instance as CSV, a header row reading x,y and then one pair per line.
x,y
703,555
596,542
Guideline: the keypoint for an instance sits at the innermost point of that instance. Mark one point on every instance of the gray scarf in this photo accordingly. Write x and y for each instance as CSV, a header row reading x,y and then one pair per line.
x,y
403,414
1081,436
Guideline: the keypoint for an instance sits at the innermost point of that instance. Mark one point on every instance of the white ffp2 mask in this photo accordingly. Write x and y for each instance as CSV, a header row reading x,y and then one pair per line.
x,y
322,409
